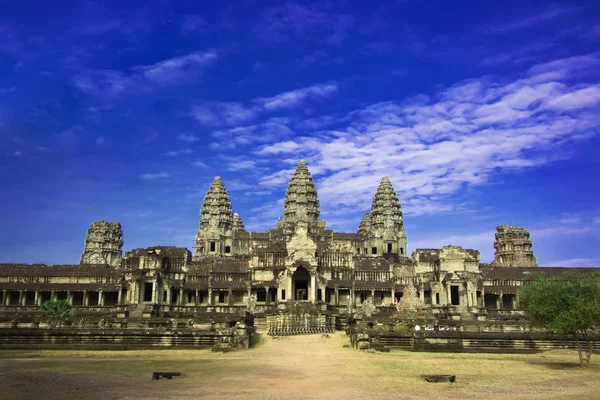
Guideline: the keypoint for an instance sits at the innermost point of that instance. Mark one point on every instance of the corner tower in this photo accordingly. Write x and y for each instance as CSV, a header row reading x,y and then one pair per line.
x,y
301,202
513,247
103,244
384,225
216,221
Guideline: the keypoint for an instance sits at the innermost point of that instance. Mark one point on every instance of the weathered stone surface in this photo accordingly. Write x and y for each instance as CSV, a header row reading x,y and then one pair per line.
x,y
103,244
513,247
386,212
238,224
301,200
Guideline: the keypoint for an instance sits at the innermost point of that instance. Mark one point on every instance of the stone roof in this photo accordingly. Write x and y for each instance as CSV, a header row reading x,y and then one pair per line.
x,y
208,264
365,224
59,287
160,251
238,224
301,200
386,210
43,270
216,209
346,236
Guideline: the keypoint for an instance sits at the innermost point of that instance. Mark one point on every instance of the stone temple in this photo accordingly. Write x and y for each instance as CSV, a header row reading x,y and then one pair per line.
x,y
300,262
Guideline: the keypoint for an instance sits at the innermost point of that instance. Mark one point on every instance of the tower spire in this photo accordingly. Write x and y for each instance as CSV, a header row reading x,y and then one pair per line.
x,y
386,212
301,199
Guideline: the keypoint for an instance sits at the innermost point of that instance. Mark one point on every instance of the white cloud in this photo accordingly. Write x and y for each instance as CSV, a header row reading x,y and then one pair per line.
x,y
248,164
187,137
153,177
278,148
108,84
432,146
269,131
531,21
175,153
18,153
178,69
199,164
295,97
221,113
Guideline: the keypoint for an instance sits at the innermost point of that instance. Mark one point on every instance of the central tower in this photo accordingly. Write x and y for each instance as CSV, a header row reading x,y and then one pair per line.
x,y
301,204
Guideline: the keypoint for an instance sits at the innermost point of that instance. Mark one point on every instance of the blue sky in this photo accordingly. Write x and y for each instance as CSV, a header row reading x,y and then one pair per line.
x,y
125,111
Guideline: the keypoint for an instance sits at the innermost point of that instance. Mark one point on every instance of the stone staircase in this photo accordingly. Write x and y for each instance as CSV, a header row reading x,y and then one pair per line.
x,y
138,312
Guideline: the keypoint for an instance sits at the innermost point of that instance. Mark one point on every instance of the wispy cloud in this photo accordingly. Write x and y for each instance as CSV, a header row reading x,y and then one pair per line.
x,y
107,84
199,164
187,137
431,147
247,164
293,21
271,130
531,21
295,97
154,176
178,69
175,153
222,113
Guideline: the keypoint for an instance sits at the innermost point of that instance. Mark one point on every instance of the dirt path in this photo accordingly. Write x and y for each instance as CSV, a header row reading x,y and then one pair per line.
x,y
296,367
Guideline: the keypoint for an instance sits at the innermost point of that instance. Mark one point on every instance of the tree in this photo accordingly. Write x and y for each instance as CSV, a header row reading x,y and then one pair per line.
x,y
58,309
569,305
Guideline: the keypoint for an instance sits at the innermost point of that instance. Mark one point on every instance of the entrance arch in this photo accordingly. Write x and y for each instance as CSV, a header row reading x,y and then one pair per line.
x,y
301,284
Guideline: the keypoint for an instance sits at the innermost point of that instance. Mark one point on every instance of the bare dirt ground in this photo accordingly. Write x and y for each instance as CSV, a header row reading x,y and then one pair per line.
x,y
299,367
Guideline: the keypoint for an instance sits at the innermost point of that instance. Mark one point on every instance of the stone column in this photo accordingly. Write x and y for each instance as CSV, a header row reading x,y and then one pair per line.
x,y
267,298
119,295
197,298
210,297
373,297
21,298
100,298
36,298
498,300
85,298
52,295
337,296
69,297
181,302
313,289
230,296
154,292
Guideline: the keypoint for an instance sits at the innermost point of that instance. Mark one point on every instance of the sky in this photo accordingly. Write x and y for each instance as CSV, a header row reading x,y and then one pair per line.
x,y
126,111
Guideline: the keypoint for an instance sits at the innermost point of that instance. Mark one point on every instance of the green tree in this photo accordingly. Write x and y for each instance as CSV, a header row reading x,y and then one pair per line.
x,y
58,309
569,305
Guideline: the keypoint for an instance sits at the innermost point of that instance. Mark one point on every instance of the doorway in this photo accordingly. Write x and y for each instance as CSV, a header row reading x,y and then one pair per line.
x,y
301,282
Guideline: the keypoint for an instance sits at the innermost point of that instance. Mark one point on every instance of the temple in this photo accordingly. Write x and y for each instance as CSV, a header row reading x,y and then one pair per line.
x,y
270,273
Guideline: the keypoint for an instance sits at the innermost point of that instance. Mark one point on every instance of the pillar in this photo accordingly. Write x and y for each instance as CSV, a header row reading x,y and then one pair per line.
x,y
69,297
313,289
180,302
21,298
119,295
498,301
337,296
210,297
85,298
154,292
100,298
267,298
36,298
52,295
197,298
373,297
